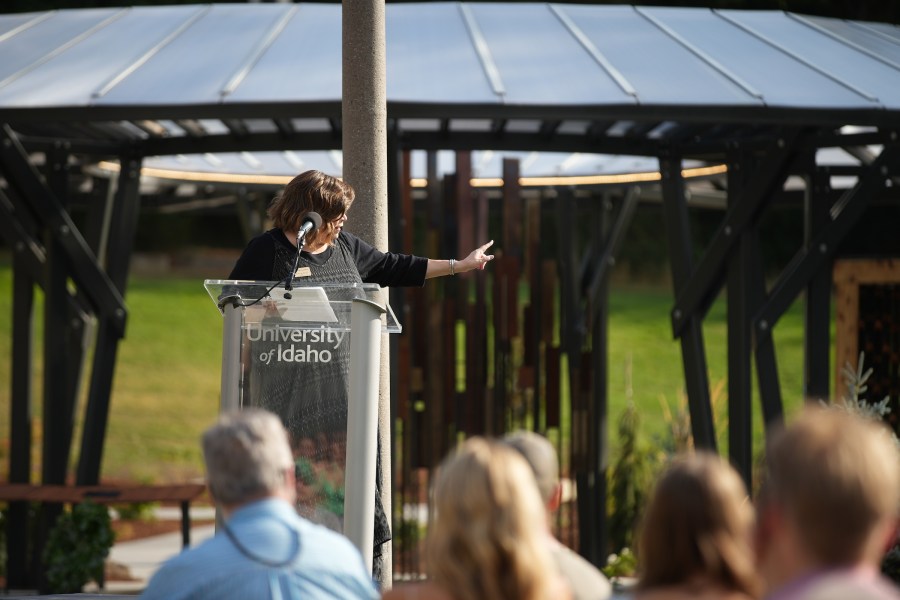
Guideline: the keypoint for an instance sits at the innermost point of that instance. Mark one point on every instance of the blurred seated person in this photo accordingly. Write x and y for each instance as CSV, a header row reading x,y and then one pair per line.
x,y
263,549
488,539
585,580
828,508
696,534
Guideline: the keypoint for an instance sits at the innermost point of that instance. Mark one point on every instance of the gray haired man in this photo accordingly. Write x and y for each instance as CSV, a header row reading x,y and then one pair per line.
x,y
586,581
263,548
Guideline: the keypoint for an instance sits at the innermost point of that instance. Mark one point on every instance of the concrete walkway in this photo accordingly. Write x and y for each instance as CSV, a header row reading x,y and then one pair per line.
x,y
144,556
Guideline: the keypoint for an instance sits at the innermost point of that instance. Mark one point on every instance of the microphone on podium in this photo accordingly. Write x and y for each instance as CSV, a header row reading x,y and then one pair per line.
x,y
311,222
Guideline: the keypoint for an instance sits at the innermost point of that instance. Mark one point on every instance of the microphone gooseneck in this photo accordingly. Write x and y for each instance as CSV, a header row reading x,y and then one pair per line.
x,y
311,222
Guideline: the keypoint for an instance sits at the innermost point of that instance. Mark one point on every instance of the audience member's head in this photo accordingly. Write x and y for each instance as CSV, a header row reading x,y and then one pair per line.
x,y
488,536
585,580
267,550
831,495
541,457
248,457
697,530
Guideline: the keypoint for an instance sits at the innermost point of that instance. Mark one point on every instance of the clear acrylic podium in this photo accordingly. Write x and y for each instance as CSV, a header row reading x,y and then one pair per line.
x,y
312,356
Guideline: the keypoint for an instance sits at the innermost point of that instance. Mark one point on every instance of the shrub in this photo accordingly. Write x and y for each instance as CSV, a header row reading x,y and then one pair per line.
x,y
623,564
77,548
630,479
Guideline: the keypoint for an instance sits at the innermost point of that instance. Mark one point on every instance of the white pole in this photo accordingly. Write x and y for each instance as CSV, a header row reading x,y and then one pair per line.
x,y
231,355
362,425
364,142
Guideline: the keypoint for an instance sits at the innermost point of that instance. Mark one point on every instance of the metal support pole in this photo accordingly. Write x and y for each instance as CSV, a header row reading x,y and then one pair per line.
x,y
600,406
59,419
692,349
120,242
817,313
697,291
362,425
740,333
17,524
231,355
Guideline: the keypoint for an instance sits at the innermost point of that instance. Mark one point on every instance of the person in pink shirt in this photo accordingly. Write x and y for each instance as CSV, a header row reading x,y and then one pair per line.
x,y
828,508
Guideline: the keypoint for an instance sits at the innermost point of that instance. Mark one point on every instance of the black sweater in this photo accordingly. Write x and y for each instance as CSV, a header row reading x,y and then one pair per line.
x,y
270,257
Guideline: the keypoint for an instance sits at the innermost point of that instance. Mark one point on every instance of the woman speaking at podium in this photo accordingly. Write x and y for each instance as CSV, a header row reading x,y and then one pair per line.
x,y
330,254
312,210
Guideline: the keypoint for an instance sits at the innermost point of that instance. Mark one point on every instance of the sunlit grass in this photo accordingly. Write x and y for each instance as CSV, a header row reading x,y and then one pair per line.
x,y
166,386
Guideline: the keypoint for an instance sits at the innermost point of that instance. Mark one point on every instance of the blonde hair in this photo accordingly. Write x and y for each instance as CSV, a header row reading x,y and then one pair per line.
x,y
698,524
312,191
488,537
837,477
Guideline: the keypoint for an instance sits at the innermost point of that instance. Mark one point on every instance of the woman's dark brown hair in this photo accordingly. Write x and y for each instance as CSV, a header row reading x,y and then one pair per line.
x,y
698,525
312,191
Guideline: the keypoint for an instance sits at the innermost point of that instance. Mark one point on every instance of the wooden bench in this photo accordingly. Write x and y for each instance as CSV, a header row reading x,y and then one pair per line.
x,y
109,494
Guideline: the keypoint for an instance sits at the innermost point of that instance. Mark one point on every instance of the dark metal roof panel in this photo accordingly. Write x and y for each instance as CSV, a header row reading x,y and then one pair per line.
x,y
891,32
196,66
303,63
430,56
827,52
779,77
449,54
662,68
86,69
10,25
880,39
26,49
547,65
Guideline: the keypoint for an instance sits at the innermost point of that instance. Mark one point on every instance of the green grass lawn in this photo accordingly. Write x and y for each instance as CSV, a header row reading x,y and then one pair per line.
x,y
166,387
645,361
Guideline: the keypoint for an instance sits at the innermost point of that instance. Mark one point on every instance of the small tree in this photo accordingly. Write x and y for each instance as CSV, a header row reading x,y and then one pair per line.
x,y
77,548
630,479
854,400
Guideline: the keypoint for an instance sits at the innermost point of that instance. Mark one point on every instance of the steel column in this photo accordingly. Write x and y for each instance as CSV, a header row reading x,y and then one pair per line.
x,y
740,310
88,276
572,332
73,335
807,262
702,282
57,413
58,417
595,548
612,244
817,312
17,522
121,241
691,336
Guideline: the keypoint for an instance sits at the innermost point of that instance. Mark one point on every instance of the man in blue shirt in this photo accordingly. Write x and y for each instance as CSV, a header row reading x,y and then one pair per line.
x,y
263,549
